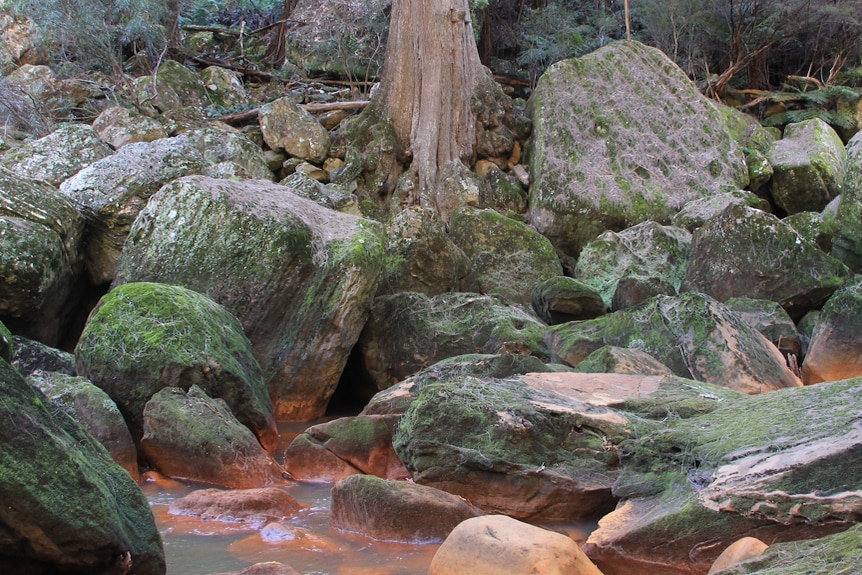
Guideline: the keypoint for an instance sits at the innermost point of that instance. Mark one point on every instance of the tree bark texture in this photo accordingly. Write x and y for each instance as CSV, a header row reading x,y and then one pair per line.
x,y
432,67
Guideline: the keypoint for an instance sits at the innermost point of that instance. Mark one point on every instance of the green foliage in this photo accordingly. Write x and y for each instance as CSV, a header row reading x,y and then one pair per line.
x,y
827,103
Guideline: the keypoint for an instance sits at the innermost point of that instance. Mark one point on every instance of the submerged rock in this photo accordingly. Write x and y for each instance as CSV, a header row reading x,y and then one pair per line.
x,y
587,153
253,506
396,510
67,507
299,277
692,334
143,337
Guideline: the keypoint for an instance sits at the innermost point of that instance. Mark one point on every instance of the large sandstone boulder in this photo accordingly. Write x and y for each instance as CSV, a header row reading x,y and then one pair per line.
x,y
224,87
744,252
698,212
835,351
67,507
770,319
184,82
118,126
40,238
692,334
94,410
693,486
299,277
847,229
644,251
511,448
809,166
421,257
327,452
193,436
612,359
143,337
396,510
286,126
112,191
606,163
496,544
44,94
508,259
410,331
57,156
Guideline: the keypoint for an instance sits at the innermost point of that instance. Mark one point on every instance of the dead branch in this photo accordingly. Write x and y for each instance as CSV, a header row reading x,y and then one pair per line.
x,y
248,115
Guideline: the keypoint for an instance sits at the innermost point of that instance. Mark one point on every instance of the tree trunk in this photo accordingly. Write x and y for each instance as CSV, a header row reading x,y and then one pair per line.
x,y
432,69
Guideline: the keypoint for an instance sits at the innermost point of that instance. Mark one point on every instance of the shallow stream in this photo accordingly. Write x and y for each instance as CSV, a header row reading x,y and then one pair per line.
x,y
304,541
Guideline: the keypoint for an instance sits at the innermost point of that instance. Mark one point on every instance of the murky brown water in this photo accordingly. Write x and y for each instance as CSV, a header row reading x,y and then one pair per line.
x,y
305,541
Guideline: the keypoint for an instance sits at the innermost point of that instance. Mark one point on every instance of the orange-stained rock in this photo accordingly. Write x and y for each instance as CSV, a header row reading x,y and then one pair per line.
x,y
496,544
743,549
259,505
396,510
334,450
835,352
268,568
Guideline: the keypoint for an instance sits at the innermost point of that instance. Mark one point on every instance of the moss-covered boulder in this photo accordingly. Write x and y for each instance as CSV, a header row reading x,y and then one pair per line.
x,y
511,448
410,331
57,156
420,255
634,288
588,151
612,359
770,319
835,351
396,399
809,166
184,82
190,435
7,344
698,212
692,334
503,192
645,250
94,410
396,510
838,553
508,259
744,252
561,299
40,239
745,468
299,277
30,356
156,96
225,89
327,452
813,227
67,507
143,337
286,126
118,126
847,228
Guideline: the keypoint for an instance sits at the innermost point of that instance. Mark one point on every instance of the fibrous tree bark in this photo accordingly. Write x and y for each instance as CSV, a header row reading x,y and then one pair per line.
x,y
432,71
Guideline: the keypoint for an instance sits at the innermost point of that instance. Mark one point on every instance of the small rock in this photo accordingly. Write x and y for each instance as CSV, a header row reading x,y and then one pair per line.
x,y
743,549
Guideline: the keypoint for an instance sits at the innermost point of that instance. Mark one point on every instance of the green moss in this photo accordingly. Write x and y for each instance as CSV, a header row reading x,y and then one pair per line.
x,y
7,345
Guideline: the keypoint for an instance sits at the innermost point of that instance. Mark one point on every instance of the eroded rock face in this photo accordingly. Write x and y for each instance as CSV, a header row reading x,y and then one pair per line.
x,y
498,544
561,299
410,331
692,334
300,278
94,410
513,448
808,164
143,337
40,238
68,508
508,259
746,467
581,137
835,351
346,446
192,436
744,252
396,510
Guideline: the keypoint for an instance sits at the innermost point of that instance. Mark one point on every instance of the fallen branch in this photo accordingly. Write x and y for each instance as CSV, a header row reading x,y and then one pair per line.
x,y
247,115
